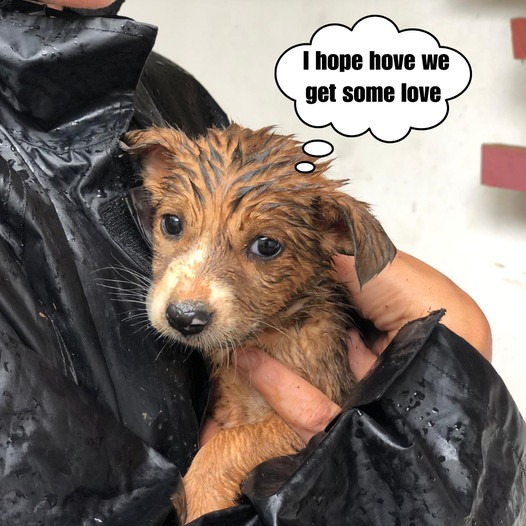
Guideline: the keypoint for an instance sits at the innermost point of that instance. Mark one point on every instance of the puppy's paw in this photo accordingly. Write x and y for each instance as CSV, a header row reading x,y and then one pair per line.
x,y
179,504
206,493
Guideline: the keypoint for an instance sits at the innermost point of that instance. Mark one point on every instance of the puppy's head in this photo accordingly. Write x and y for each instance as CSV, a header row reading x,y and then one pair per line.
x,y
239,234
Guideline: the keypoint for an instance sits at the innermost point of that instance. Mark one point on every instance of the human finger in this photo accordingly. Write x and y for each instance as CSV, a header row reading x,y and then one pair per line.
x,y
361,358
209,429
408,289
305,408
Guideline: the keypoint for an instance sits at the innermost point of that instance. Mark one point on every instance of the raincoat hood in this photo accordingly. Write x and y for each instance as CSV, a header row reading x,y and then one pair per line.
x,y
69,84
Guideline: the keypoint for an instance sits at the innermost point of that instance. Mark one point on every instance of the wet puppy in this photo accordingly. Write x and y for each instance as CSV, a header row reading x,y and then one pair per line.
x,y
242,256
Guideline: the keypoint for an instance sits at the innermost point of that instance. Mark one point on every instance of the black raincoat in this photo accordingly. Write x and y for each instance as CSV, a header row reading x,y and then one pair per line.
x,y
98,418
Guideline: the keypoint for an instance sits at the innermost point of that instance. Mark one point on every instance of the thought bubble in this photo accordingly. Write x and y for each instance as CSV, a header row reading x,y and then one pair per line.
x,y
318,148
314,148
372,77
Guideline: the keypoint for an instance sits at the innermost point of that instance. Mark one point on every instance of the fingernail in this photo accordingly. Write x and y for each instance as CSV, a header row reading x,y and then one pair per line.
x,y
247,359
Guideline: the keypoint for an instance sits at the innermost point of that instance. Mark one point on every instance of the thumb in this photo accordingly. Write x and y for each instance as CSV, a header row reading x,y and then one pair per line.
x,y
361,358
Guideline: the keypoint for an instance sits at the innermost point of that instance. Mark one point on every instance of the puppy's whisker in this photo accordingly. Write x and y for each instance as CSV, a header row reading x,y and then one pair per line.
x,y
139,318
161,351
125,275
133,299
124,286
128,287
279,330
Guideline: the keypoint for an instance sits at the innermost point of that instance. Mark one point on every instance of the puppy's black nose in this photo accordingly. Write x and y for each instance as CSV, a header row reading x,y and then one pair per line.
x,y
188,317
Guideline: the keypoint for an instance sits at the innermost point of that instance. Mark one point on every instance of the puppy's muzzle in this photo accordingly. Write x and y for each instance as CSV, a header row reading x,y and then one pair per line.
x,y
188,317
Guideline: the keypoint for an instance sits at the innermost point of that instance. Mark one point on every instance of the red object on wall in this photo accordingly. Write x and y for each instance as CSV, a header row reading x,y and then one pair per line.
x,y
518,37
504,166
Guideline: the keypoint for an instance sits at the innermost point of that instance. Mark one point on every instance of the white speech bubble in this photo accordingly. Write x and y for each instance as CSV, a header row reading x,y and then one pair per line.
x,y
372,77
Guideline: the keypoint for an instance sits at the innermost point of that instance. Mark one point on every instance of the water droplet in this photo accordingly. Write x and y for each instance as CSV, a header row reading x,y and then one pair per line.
x,y
419,395
359,433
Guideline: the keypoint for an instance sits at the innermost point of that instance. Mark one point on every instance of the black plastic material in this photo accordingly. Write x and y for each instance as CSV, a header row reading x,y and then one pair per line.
x,y
98,417
95,411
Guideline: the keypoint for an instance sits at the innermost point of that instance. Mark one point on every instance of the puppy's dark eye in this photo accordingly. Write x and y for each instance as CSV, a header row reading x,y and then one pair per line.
x,y
265,247
171,225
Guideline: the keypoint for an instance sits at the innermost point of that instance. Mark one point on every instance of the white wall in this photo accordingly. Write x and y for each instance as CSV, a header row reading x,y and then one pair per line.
x,y
425,189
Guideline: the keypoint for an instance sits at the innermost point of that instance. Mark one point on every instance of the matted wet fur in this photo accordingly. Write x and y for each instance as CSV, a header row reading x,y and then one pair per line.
x,y
242,256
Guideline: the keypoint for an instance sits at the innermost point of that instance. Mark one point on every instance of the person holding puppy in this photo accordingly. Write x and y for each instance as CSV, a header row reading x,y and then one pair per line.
x,y
99,419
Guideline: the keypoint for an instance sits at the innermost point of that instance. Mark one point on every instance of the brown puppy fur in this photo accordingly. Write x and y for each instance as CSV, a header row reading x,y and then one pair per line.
x,y
247,260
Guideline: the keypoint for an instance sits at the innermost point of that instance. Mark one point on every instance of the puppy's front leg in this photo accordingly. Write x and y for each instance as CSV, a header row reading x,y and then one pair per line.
x,y
217,471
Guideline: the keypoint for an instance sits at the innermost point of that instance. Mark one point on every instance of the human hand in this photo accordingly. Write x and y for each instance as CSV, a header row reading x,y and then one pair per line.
x,y
405,290
409,289
84,4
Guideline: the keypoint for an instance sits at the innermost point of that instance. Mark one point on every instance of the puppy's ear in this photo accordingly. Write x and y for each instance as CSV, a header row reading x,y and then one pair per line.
x,y
152,146
155,147
352,230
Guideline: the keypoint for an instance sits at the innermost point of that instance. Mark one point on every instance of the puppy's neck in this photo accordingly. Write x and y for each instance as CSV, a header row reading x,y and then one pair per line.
x,y
310,337
321,295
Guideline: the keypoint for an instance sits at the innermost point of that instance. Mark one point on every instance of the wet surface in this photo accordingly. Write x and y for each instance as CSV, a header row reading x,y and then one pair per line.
x,y
95,412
